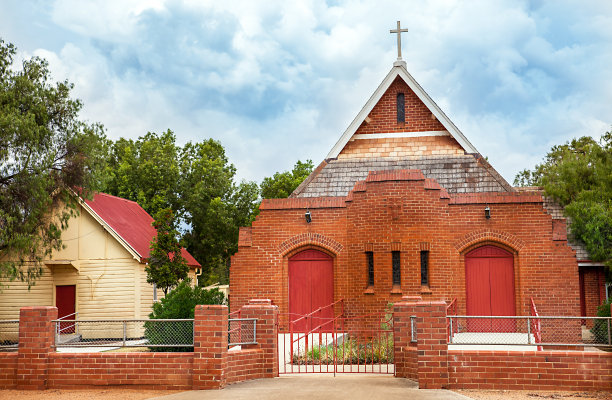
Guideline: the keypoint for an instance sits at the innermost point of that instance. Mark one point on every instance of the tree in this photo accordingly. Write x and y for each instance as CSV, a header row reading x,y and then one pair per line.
x,y
281,184
578,175
46,154
146,171
197,182
214,207
166,266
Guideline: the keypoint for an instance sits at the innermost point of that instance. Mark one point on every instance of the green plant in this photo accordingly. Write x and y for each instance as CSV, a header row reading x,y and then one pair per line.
x,y
600,326
178,304
350,350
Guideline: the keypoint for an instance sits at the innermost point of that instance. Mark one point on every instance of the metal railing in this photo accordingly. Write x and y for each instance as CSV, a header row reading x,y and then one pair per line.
x,y
531,330
9,334
336,343
67,326
242,331
152,333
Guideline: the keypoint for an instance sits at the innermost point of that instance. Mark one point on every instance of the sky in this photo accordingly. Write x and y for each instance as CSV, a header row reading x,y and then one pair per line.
x,y
280,81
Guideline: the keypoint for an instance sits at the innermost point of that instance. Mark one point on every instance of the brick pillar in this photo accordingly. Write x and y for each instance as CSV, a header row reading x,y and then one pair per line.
x,y
405,351
36,339
267,335
210,347
431,343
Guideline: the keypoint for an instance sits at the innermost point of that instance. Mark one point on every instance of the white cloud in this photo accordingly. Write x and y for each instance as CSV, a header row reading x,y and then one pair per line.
x,y
278,81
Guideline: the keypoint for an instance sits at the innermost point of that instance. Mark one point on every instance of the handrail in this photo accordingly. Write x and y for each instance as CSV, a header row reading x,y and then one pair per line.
x,y
305,317
69,315
64,319
537,328
318,310
452,307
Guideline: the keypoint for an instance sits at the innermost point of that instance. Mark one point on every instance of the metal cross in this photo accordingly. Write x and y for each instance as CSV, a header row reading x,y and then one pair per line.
x,y
399,39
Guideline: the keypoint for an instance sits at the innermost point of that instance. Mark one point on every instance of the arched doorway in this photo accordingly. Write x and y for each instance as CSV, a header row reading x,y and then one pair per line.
x,y
311,285
489,283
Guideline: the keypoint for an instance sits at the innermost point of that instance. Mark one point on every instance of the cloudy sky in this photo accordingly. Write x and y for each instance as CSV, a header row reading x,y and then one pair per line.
x,y
278,81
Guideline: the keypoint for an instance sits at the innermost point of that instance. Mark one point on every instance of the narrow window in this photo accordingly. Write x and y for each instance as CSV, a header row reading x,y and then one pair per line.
x,y
397,274
370,260
401,114
425,268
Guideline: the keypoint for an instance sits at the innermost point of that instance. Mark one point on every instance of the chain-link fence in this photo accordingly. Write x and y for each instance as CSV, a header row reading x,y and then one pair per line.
x,y
530,330
9,334
156,334
242,331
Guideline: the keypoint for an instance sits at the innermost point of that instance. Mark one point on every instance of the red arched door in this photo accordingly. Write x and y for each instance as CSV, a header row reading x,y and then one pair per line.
x,y
311,285
489,282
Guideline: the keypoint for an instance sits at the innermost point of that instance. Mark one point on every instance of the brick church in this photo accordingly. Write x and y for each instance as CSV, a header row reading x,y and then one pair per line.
x,y
402,205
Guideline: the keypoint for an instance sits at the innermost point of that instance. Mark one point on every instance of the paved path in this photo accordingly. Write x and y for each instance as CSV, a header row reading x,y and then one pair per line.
x,y
313,387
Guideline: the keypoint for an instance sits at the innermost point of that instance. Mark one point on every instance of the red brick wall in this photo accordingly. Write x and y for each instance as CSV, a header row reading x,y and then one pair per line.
x,y
138,370
594,281
36,336
267,334
383,117
210,347
405,350
37,366
244,365
541,370
8,370
404,210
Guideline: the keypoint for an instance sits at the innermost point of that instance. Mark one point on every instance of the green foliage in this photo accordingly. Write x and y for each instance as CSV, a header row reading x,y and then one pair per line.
x,y
166,266
578,175
181,301
600,326
281,184
197,182
46,153
146,171
178,304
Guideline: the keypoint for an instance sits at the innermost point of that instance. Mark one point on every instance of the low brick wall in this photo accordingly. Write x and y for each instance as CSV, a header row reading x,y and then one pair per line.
x,y
434,366
36,365
8,370
244,365
534,370
146,370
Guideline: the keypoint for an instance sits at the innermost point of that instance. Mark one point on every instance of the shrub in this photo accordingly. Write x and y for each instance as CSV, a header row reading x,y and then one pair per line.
x,y
600,326
178,304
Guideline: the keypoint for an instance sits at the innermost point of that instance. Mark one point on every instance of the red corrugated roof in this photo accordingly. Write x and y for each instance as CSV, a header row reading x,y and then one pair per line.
x,y
131,222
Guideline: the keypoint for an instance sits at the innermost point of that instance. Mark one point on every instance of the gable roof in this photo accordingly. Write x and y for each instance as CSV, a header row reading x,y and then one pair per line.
x,y
129,223
399,70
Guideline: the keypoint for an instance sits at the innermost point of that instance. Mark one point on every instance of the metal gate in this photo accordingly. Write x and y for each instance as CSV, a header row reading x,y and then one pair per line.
x,y
336,343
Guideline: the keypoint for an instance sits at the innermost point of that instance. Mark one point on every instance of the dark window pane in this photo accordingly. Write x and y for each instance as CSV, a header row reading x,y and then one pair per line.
x,y
370,259
425,267
401,113
397,274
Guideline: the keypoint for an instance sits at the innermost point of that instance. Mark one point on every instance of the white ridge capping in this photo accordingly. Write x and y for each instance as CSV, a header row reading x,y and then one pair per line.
x,y
399,69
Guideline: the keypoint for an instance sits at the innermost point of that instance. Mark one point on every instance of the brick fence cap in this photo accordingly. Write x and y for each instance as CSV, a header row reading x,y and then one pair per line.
x,y
210,306
432,303
412,298
265,302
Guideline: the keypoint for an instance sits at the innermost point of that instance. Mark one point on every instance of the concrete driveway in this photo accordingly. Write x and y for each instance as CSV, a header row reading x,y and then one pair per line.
x,y
321,386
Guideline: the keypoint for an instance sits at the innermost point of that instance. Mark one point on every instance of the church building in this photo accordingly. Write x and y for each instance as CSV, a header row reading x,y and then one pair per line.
x,y
405,205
